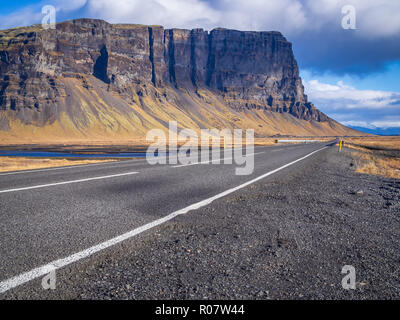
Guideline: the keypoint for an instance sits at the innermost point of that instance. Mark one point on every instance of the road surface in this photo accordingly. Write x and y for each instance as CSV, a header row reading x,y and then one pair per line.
x,y
56,217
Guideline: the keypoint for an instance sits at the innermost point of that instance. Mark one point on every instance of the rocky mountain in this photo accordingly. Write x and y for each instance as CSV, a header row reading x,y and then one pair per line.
x,y
89,79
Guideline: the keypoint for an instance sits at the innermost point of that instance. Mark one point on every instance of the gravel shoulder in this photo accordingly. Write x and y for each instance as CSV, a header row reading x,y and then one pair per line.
x,y
285,237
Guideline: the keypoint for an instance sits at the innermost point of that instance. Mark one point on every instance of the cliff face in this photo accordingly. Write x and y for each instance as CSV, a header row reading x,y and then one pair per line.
x,y
44,74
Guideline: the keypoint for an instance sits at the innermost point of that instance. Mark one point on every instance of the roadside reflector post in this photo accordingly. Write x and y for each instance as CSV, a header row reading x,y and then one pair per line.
x,y
223,142
340,145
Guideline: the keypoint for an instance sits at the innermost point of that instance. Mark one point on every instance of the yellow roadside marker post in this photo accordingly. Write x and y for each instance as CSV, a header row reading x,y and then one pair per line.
x,y
340,145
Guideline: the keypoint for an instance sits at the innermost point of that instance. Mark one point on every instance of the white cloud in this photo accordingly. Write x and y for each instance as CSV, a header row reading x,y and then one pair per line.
x,y
282,15
382,124
377,18
287,16
347,97
169,13
350,106
386,124
355,123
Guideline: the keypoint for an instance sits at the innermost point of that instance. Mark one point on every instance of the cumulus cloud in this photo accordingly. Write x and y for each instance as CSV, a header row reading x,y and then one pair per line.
x,y
364,108
373,124
365,99
374,18
283,15
288,16
314,27
170,13
378,18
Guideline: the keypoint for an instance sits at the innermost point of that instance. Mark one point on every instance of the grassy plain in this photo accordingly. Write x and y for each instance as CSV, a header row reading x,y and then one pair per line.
x,y
376,155
8,164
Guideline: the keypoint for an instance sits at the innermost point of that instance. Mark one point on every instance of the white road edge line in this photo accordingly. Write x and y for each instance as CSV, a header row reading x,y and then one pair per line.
x,y
67,182
57,264
211,161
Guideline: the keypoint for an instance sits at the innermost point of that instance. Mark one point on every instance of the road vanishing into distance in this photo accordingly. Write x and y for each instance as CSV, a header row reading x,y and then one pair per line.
x,y
52,218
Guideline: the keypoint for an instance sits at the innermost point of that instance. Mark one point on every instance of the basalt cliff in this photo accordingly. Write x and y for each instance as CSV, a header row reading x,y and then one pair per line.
x,y
91,80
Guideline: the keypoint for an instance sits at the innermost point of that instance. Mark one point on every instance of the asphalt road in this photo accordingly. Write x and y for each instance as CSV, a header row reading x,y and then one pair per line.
x,y
48,215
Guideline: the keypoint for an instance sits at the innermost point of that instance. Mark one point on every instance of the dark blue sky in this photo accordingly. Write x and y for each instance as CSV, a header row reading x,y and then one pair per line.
x,y
352,75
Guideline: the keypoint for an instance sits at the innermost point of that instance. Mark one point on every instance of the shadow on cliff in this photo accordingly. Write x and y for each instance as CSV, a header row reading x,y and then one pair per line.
x,y
101,65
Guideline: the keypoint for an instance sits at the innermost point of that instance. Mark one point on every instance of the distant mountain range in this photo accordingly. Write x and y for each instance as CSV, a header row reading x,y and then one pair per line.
x,y
395,131
92,80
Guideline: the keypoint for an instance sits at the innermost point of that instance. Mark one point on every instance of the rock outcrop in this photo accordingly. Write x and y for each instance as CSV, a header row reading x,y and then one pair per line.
x,y
245,71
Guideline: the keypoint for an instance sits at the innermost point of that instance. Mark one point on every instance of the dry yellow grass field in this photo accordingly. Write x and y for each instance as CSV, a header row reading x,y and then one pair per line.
x,y
377,165
98,116
380,142
376,155
8,164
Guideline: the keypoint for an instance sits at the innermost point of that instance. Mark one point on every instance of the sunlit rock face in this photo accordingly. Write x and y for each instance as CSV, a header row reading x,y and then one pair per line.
x,y
247,70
